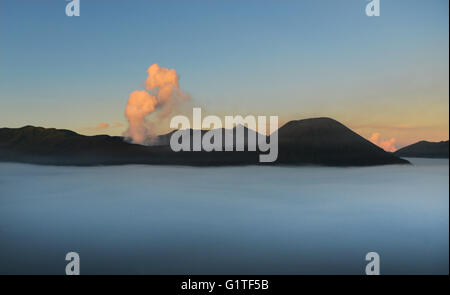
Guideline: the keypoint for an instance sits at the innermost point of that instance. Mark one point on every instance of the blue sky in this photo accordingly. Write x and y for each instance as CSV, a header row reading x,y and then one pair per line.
x,y
295,59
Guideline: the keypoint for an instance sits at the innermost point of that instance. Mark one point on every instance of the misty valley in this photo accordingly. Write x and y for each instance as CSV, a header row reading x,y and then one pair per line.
x,y
225,220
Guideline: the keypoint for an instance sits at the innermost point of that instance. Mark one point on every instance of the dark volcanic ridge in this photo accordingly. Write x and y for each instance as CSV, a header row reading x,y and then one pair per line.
x,y
318,141
425,149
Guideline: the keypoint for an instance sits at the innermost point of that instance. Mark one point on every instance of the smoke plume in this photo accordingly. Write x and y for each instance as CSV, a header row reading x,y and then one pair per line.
x,y
146,107
387,145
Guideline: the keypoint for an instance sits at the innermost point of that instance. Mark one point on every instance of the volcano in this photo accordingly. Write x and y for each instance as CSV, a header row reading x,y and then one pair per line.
x,y
317,141
425,149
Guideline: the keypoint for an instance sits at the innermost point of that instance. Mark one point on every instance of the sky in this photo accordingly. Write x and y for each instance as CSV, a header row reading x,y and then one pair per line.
x,y
384,77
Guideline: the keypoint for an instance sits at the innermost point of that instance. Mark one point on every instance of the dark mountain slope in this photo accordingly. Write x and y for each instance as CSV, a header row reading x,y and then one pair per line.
x,y
320,141
64,147
425,149
328,142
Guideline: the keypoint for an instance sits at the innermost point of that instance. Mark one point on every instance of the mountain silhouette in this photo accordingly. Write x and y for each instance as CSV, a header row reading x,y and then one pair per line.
x,y
318,141
424,149
325,141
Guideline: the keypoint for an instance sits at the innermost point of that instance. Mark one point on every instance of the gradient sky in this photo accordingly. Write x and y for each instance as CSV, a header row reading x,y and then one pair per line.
x,y
295,59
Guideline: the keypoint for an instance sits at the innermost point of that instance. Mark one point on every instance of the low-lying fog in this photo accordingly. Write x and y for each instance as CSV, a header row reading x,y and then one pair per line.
x,y
235,220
